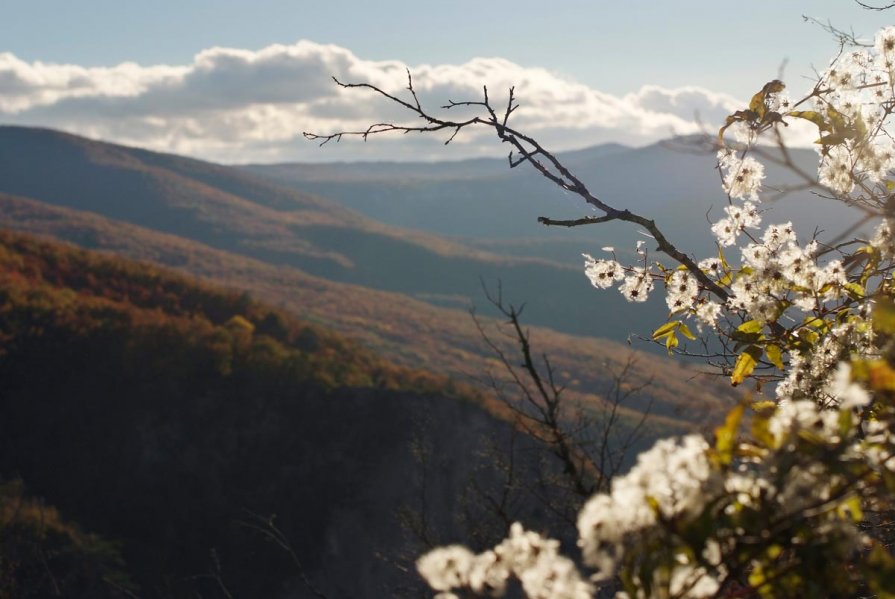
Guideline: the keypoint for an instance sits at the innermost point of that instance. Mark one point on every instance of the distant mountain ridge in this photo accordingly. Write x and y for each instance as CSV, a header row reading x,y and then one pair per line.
x,y
674,183
471,168
238,212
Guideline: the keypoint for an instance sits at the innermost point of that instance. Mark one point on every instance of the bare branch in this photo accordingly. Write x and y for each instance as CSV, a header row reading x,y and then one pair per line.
x,y
525,149
869,7
587,220
267,528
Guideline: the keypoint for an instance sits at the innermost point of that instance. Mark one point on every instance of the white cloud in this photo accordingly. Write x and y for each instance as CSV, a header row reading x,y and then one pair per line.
x,y
238,105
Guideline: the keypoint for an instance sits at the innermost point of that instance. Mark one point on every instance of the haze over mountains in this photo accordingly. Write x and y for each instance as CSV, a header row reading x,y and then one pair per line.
x,y
490,206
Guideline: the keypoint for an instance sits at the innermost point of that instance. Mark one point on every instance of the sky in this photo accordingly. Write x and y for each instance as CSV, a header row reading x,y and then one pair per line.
x,y
237,81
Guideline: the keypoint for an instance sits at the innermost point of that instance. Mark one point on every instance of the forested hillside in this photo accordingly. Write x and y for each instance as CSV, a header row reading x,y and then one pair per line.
x,y
404,330
179,420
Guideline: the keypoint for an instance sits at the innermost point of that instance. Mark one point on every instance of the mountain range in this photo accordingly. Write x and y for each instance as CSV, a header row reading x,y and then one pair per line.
x,y
485,204
395,290
177,400
231,210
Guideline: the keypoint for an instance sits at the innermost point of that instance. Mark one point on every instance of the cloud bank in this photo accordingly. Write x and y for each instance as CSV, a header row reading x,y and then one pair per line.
x,y
234,105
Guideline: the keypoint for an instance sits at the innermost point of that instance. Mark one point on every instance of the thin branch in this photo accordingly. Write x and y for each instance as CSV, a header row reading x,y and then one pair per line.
x,y
267,528
587,220
869,7
526,149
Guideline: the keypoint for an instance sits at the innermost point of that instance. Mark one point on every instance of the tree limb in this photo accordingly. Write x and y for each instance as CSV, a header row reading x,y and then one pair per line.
x,y
524,149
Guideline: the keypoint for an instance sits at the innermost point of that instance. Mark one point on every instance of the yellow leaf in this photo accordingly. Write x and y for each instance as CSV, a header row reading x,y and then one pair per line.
x,y
756,105
775,355
817,323
884,316
851,506
855,290
761,431
881,376
666,329
814,117
745,364
750,327
772,87
726,434
685,331
671,342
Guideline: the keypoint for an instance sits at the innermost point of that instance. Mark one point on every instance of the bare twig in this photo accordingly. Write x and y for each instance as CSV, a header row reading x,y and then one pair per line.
x,y
525,149
869,7
268,529
591,447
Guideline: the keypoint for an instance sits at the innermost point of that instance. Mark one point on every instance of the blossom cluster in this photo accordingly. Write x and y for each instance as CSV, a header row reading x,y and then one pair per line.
x,y
674,479
806,476
525,555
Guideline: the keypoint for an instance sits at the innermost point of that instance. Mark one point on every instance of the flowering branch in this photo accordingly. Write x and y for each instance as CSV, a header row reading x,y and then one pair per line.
x,y
806,478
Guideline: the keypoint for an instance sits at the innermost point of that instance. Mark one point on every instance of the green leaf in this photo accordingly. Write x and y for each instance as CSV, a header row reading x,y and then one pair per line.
x,y
745,364
855,290
775,355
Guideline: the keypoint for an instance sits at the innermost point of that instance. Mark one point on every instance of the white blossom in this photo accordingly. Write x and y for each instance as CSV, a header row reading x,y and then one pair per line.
x,y
602,273
675,474
742,176
836,170
818,319
681,291
637,285
708,311
446,568
739,218
885,46
846,393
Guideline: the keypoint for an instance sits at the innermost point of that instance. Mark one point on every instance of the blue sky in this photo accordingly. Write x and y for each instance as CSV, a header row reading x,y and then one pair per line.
x,y
616,71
